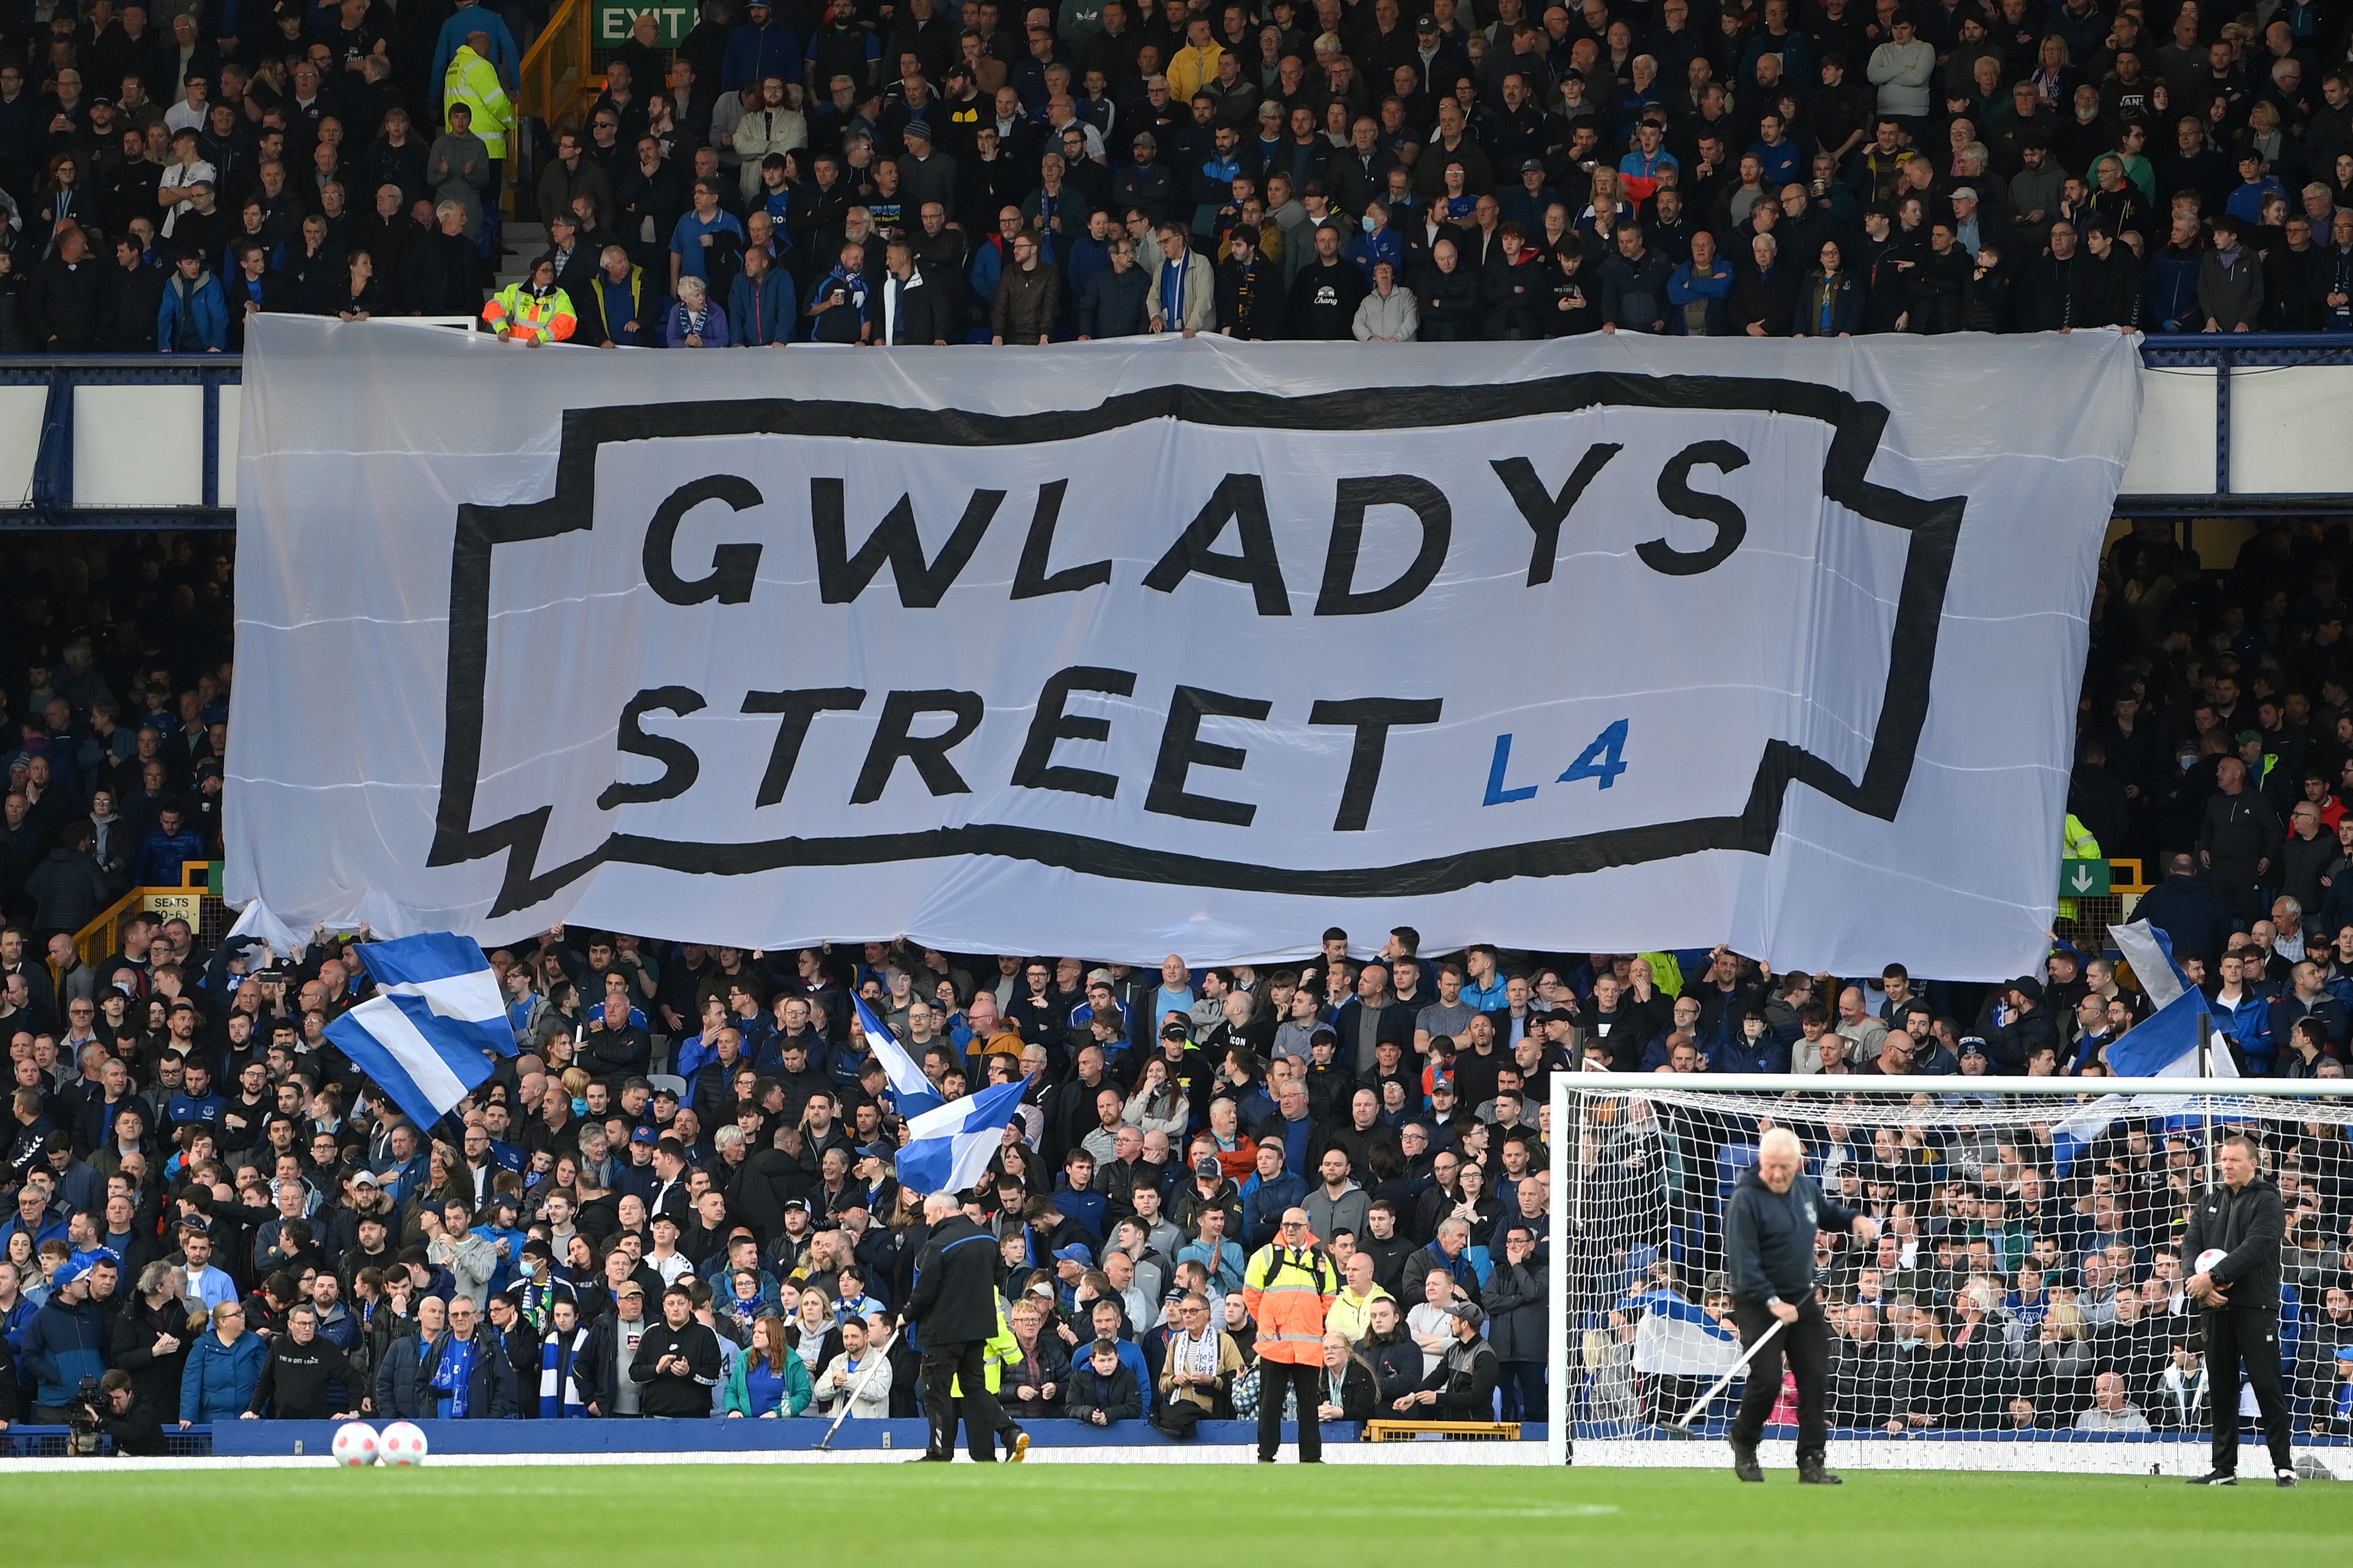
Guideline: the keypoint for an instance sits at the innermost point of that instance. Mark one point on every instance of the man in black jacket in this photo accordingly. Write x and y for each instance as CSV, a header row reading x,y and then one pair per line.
x,y
303,1371
133,1423
1769,1244
677,1362
954,1308
2244,1221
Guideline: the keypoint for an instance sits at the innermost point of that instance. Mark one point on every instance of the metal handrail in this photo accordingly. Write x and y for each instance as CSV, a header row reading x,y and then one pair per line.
x,y
556,81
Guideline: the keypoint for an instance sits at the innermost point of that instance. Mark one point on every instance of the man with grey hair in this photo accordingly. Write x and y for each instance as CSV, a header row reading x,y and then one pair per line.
x,y
1769,1246
953,1309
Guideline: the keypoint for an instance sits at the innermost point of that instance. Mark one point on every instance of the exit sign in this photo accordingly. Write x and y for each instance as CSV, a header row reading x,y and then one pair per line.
x,y
2084,878
615,23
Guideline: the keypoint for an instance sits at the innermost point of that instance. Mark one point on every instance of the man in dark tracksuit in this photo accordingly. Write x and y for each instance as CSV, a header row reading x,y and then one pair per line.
x,y
1769,1244
2245,1220
954,1308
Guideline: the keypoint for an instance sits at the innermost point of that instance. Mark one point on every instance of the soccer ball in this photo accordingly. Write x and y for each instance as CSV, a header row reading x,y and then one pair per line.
x,y
2208,1259
355,1444
402,1445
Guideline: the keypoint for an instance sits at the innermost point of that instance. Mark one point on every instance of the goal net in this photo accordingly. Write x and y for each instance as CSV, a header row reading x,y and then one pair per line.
x,y
2022,1306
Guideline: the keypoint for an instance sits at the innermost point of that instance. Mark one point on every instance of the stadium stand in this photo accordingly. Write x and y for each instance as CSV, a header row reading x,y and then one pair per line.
x,y
200,1187
1393,175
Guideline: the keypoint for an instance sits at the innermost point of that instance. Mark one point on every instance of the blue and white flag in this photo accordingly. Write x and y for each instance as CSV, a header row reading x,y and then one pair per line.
x,y
2082,1127
431,1032
912,1093
2150,951
1677,1338
2165,1045
445,979
949,1147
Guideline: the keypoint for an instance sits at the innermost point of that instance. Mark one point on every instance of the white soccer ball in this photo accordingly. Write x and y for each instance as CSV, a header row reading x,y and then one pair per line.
x,y
402,1445
2208,1259
355,1444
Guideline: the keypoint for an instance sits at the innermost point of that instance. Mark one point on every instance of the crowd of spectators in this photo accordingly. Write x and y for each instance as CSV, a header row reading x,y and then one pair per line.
x,y
914,172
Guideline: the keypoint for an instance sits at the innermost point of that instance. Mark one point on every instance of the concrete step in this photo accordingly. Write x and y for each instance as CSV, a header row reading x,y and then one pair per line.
x,y
524,242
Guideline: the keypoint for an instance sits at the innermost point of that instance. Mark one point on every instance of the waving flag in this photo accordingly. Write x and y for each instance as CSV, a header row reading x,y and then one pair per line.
x,y
432,1029
949,1146
2151,952
2164,1044
1677,1339
911,1091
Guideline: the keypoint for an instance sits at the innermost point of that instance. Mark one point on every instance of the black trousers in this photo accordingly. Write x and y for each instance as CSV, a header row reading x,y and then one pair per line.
x,y
1806,1345
1273,1377
943,1367
2234,1336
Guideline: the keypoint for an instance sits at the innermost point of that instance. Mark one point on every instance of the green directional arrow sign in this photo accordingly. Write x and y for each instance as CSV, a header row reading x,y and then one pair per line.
x,y
2083,879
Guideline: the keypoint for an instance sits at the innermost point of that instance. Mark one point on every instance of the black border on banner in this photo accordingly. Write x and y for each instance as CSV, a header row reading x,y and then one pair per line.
x,y
1933,526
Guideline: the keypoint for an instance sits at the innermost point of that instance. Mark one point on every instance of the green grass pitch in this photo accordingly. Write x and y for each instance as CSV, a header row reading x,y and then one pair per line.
x,y
1141,1516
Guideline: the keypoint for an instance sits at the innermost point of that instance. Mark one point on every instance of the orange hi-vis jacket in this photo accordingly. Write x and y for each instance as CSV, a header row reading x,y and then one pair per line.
x,y
1288,1290
547,320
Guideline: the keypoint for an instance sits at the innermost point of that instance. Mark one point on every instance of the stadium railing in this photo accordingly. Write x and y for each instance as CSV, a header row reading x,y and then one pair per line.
x,y
2232,425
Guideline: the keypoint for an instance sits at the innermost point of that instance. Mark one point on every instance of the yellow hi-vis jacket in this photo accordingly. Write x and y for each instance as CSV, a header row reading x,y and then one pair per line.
x,y
1000,1351
548,321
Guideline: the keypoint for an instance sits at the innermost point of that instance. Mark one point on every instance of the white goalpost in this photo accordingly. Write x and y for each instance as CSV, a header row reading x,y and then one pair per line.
x,y
2022,1307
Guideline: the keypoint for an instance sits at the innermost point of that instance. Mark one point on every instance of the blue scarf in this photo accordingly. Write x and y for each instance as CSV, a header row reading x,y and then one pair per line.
x,y
454,1378
559,1389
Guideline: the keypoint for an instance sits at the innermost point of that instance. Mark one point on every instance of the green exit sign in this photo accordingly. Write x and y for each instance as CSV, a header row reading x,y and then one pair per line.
x,y
616,23
2083,879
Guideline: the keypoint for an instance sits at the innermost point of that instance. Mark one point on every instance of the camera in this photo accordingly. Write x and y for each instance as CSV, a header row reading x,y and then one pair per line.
x,y
270,976
84,1418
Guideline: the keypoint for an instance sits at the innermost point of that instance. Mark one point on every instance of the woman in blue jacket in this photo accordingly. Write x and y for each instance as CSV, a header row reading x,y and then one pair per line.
x,y
223,1370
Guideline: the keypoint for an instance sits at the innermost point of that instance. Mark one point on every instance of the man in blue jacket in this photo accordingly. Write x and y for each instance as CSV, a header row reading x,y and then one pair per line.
x,y
762,309
171,845
65,1342
762,47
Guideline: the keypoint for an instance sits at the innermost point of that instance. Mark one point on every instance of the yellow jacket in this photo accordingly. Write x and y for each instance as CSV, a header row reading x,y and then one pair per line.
x,y
548,321
474,82
1000,1351
1190,71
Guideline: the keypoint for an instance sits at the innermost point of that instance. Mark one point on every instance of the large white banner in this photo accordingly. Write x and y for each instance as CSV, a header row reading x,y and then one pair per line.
x,y
1130,648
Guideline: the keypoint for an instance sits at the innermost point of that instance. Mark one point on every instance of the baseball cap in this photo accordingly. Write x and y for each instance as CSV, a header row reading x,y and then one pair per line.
x,y
1175,1031
1425,24
1968,191
875,1152
644,1135
364,1178
664,1092
1206,1167
1077,1252
1533,166
2249,738
1470,1312
664,1216
1142,139
800,1204
74,1269
1102,976
628,1288
2026,985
